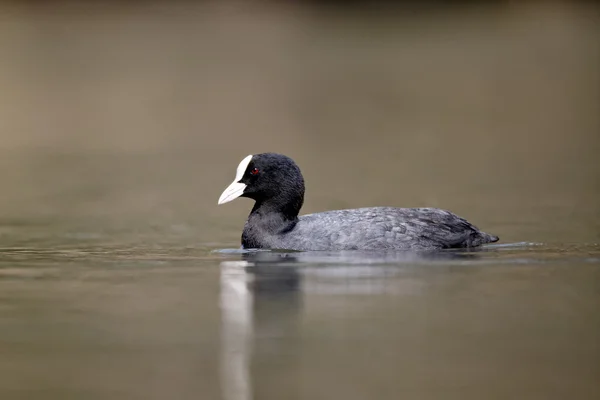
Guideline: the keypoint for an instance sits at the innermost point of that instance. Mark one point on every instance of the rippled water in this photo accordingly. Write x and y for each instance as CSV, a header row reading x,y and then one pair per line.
x,y
120,278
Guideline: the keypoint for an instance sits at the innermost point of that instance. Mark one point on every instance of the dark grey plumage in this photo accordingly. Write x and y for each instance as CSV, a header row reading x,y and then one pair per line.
x,y
278,188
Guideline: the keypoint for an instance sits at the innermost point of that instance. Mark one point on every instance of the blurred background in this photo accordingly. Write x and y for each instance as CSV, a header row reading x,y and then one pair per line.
x,y
121,122
144,109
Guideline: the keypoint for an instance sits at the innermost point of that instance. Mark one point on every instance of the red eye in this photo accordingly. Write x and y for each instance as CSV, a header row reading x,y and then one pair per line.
x,y
254,171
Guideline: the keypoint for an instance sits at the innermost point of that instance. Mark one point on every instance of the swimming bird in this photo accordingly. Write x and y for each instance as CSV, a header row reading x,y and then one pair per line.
x,y
275,183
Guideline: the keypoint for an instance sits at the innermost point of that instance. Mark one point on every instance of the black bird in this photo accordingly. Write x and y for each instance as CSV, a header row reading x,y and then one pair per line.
x,y
276,184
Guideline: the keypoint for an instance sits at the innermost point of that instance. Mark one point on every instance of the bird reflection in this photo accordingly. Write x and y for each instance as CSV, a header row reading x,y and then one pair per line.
x,y
261,304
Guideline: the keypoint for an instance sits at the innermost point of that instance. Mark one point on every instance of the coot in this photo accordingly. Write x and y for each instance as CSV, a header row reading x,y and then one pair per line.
x,y
275,183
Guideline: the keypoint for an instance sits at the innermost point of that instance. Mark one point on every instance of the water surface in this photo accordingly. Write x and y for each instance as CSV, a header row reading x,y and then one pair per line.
x,y
119,275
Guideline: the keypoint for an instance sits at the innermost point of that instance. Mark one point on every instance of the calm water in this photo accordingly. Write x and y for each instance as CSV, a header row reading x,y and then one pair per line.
x,y
119,275
150,303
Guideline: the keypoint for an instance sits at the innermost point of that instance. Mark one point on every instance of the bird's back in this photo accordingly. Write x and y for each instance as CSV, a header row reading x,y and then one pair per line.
x,y
379,228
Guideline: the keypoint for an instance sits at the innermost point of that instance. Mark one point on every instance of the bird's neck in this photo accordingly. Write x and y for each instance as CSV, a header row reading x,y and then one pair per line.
x,y
268,220
285,206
